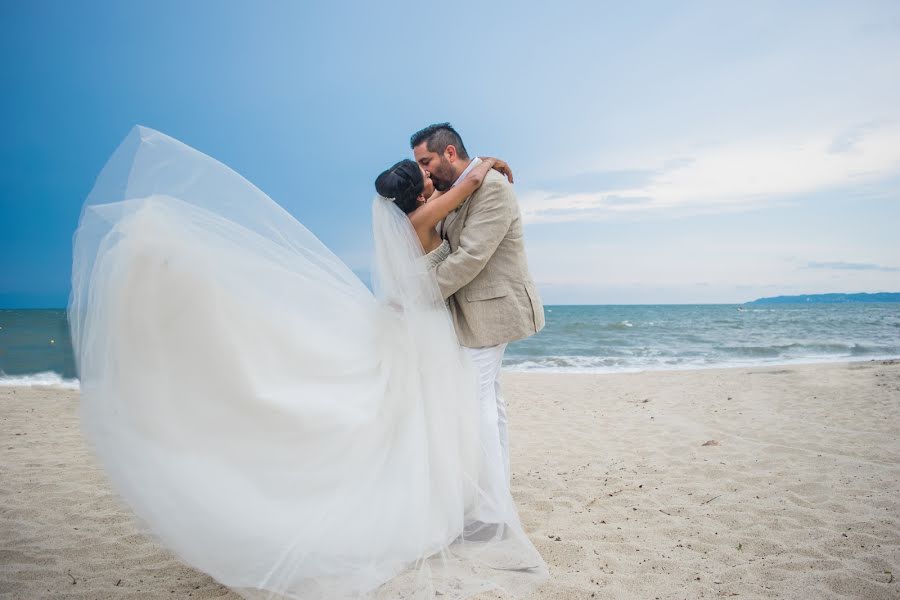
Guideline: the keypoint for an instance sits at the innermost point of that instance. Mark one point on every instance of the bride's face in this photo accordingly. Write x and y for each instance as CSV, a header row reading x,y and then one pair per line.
x,y
428,187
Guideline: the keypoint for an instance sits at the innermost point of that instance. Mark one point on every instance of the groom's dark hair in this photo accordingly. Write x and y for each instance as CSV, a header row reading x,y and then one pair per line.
x,y
438,137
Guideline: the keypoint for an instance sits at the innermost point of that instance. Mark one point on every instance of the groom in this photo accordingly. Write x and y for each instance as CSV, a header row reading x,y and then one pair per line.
x,y
485,279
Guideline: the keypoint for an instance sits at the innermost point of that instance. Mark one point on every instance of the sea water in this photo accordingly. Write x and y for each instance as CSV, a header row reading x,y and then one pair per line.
x,y
35,346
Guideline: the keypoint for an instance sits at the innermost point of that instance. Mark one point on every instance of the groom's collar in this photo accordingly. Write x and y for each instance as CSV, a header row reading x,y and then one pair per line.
x,y
472,164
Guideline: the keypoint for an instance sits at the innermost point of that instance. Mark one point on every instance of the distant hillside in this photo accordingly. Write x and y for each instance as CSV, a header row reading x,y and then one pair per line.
x,y
830,298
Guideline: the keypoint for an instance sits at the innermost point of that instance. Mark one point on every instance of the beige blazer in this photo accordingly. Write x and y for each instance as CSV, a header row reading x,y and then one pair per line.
x,y
485,279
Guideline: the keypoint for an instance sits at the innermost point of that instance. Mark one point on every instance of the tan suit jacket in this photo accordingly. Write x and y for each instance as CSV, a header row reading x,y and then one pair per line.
x,y
490,292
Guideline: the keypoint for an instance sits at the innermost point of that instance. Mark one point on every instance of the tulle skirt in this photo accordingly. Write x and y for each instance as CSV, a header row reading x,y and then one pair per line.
x,y
266,416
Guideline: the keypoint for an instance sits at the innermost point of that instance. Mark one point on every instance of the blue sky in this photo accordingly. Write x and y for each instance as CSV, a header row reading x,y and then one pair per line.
x,y
664,152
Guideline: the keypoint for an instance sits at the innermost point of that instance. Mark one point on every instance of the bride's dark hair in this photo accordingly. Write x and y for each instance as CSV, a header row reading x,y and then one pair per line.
x,y
402,183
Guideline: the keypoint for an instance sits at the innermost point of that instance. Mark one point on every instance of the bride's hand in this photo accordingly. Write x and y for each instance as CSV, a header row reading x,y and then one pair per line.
x,y
478,174
500,166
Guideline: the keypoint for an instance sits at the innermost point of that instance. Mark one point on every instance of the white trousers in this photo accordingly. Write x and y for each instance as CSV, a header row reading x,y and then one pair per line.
x,y
495,437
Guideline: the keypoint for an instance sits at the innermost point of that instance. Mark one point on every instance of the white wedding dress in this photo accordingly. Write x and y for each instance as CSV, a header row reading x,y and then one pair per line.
x,y
266,416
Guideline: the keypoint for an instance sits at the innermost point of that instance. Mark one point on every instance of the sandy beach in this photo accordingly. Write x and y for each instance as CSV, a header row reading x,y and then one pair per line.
x,y
775,482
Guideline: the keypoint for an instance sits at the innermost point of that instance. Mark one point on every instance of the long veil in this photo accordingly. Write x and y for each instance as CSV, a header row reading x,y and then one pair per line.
x,y
266,416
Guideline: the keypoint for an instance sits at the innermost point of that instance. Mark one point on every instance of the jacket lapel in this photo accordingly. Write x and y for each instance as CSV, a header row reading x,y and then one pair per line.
x,y
453,223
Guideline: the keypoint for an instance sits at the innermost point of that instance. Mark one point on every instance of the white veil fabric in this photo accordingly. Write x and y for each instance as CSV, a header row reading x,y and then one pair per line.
x,y
267,417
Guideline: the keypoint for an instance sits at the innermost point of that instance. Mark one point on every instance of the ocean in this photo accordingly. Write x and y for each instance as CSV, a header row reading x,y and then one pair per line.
x,y
35,346
663,337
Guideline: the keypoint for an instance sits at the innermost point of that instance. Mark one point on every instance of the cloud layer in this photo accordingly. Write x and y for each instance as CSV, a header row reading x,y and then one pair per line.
x,y
726,177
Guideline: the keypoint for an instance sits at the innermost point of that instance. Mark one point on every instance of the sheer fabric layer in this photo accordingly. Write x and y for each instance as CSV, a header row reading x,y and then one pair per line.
x,y
264,414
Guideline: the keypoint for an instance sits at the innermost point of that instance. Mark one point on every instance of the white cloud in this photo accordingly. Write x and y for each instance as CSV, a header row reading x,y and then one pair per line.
x,y
732,176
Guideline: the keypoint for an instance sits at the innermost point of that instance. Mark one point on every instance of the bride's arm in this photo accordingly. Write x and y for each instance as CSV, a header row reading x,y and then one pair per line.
x,y
440,205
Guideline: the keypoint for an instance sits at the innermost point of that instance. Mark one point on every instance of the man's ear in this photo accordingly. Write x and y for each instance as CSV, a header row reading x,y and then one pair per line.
x,y
450,151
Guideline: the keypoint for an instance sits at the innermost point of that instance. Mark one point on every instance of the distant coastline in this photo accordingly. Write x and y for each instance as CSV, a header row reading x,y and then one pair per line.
x,y
830,298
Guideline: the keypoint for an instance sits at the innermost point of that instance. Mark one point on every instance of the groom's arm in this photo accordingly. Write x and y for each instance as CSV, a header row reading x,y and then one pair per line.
x,y
490,215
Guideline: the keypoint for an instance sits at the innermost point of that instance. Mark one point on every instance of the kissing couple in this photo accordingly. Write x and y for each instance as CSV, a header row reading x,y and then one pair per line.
x,y
272,420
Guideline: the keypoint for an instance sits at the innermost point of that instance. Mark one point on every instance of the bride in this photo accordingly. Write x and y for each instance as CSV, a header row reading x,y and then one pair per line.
x,y
265,415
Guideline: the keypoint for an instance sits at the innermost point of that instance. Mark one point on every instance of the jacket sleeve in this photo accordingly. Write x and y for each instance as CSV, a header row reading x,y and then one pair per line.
x,y
490,215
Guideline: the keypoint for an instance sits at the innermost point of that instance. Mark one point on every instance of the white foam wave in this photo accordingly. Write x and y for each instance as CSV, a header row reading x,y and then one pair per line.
x,y
592,364
46,378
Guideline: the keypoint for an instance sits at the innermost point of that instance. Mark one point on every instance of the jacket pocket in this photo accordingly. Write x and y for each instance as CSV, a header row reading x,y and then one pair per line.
x,y
537,307
486,293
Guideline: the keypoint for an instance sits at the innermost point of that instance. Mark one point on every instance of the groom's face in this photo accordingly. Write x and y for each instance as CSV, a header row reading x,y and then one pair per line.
x,y
439,166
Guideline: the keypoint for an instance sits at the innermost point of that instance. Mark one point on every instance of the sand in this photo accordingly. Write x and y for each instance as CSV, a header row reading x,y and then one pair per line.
x,y
779,482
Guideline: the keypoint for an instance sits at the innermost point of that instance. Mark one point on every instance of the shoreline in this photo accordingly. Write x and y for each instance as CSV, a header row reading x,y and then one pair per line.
x,y
51,379
715,367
